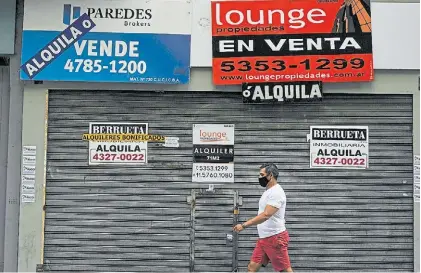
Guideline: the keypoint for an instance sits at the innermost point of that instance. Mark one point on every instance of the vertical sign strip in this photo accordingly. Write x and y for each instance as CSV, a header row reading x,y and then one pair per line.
x,y
29,160
416,178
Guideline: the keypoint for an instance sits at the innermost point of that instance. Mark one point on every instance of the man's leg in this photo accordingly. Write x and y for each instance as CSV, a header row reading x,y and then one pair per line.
x,y
253,267
258,258
277,252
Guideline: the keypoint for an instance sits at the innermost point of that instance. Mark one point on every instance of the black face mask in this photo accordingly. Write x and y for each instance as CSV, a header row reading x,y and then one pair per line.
x,y
263,181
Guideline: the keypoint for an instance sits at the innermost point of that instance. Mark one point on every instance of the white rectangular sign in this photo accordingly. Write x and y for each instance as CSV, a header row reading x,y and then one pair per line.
x,y
416,169
117,152
28,179
172,142
28,188
29,150
28,197
29,159
416,160
213,143
343,147
213,134
28,170
213,172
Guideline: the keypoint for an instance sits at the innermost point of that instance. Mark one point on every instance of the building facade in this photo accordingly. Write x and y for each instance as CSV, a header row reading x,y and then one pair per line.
x,y
87,217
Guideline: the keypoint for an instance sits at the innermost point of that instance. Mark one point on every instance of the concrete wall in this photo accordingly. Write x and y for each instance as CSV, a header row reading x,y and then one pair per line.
x,y
35,119
14,140
4,135
31,214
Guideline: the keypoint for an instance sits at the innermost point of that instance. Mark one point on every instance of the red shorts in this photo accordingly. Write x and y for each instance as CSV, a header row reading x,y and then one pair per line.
x,y
273,249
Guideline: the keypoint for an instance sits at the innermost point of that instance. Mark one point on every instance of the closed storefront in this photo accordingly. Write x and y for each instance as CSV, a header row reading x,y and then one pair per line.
x,y
145,124
154,218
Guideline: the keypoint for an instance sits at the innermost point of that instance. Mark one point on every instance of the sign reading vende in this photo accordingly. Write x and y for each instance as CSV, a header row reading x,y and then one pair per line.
x,y
107,41
283,41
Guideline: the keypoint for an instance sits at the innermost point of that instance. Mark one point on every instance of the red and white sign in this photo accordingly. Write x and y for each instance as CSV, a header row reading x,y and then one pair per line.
x,y
119,151
284,41
216,134
344,147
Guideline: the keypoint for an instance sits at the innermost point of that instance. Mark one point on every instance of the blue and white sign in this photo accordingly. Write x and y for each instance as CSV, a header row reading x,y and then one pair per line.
x,y
139,41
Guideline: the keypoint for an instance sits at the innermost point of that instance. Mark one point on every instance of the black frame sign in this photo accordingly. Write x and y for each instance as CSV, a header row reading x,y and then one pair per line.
x,y
282,92
213,153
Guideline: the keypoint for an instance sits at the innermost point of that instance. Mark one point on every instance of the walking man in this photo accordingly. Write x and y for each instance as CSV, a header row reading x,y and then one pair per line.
x,y
272,244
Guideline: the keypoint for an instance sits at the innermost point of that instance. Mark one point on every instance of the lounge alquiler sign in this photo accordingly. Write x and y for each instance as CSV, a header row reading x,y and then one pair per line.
x,y
213,153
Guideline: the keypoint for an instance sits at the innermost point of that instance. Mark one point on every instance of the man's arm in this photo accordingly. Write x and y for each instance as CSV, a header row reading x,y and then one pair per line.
x,y
262,217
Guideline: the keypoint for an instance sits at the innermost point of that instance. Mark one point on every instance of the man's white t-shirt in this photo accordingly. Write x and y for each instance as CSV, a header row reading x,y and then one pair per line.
x,y
275,197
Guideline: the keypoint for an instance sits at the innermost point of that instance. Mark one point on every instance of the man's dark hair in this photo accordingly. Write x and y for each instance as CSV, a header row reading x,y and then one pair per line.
x,y
271,168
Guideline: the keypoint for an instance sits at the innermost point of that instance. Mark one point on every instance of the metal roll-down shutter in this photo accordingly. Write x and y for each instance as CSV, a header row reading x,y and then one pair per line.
x,y
123,218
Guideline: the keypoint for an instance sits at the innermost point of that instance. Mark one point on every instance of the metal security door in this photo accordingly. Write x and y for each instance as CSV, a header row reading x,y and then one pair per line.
x,y
102,219
213,244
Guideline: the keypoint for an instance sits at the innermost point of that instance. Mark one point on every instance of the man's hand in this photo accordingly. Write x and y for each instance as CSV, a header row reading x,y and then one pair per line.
x,y
238,228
